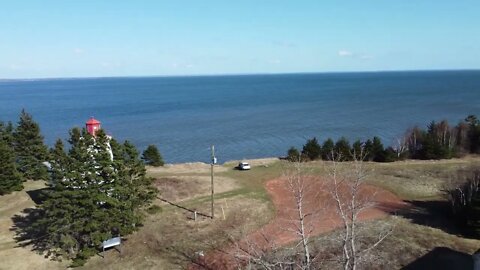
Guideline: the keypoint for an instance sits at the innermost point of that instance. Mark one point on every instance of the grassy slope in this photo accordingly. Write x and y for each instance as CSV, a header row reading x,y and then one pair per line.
x,y
419,182
165,238
12,256
167,235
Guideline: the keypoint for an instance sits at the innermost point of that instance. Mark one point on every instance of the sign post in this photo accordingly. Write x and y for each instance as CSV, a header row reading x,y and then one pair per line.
x,y
214,160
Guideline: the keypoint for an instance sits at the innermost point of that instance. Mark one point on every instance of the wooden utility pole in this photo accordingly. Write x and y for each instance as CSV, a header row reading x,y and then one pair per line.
x,y
214,160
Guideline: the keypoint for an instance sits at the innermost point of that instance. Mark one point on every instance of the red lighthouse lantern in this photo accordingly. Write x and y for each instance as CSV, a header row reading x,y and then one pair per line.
x,y
93,125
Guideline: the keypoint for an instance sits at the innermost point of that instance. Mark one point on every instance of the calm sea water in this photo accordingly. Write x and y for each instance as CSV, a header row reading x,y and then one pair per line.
x,y
244,116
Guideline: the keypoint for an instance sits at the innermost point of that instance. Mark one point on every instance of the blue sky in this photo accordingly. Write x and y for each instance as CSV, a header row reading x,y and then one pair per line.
x,y
144,38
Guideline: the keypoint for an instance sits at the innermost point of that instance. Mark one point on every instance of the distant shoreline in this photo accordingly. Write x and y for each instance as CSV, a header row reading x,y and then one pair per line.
x,y
231,74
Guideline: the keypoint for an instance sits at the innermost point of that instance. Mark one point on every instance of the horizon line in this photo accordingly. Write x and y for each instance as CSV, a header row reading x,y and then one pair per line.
x,y
233,74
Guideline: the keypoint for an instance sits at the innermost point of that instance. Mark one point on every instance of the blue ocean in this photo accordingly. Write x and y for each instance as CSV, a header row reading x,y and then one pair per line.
x,y
244,116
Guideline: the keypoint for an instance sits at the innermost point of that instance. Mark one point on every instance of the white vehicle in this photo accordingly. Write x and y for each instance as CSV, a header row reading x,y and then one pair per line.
x,y
243,166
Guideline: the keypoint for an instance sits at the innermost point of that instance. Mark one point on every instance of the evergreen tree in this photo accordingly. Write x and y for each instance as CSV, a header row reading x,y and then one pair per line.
x,y
152,156
391,155
10,178
30,150
357,148
293,154
327,149
75,137
343,149
135,176
6,132
436,142
368,148
312,149
58,162
117,149
378,151
93,197
473,133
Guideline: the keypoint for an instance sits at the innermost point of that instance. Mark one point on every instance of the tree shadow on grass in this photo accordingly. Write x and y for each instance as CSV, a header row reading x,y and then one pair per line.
x,y
442,258
38,196
28,235
27,231
435,214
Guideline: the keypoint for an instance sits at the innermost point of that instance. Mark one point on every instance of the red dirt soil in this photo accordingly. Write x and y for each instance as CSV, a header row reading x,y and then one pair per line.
x,y
323,217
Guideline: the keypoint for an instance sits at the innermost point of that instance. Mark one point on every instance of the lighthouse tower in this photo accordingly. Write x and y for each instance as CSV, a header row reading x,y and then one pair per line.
x,y
93,125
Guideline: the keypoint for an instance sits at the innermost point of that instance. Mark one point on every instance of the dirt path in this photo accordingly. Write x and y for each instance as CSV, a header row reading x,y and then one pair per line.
x,y
323,217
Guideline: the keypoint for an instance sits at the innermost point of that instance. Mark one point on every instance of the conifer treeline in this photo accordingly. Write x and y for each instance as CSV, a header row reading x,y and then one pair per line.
x,y
438,141
24,156
23,153
96,190
92,196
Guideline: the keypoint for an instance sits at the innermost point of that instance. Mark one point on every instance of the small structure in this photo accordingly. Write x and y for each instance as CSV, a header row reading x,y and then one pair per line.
x,y
112,242
93,125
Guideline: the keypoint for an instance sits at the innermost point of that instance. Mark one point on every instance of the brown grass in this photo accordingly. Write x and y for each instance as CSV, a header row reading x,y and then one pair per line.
x,y
11,255
179,188
170,234
407,243
169,240
417,179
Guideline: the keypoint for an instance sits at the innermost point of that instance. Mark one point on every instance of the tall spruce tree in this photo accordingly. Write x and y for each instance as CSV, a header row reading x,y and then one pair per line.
x,y
58,162
93,197
141,190
312,149
6,132
357,148
10,178
328,149
378,151
473,133
342,147
152,156
368,148
30,150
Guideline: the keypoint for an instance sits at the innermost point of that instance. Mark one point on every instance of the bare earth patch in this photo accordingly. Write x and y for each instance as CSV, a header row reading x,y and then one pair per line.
x,y
280,231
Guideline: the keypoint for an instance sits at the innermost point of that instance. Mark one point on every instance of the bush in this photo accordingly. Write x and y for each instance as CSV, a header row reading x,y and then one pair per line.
x,y
293,154
464,200
154,209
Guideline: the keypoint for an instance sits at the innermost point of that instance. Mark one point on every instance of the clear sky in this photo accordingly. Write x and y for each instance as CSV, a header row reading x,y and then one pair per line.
x,y
142,38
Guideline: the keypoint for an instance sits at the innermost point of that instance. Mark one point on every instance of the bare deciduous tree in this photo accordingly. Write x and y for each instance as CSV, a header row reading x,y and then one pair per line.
x,y
400,146
339,199
351,200
266,253
300,188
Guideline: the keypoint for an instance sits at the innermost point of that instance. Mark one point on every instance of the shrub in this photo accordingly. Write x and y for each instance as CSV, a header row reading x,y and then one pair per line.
x,y
293,154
